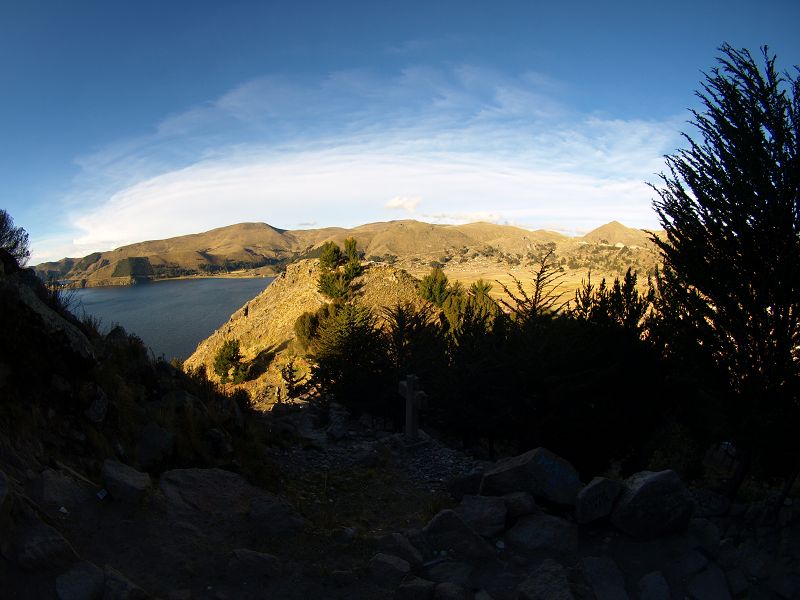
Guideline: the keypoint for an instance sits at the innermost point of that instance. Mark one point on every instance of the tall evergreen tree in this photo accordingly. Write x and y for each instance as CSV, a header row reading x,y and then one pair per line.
x,y
730,204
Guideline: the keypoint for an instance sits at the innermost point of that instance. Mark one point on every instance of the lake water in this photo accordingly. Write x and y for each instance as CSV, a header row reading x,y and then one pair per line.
x,y
171,317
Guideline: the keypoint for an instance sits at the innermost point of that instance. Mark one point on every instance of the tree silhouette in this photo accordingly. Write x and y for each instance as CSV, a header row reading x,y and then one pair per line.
x,y
13,240
730,205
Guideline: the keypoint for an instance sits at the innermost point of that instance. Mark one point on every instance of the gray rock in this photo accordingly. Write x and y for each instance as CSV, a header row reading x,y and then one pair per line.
x,y
398,544
547,582
691,564
705,536
709,584
482,595
653,504
156,446
485,514
125,483
387,570
753,559
415,588
596,500
84,581
519,504
539,472
447,531
119,587
544,536
250,562
58,489
42,547
605,578
737,582
467,484
450,570
653,586
450,591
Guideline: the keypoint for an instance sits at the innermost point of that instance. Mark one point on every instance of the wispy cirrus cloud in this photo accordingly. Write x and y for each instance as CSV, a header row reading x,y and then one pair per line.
x,y
474,143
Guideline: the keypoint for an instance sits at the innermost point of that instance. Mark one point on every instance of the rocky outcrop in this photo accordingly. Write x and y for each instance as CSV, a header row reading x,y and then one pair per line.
x,y
539,472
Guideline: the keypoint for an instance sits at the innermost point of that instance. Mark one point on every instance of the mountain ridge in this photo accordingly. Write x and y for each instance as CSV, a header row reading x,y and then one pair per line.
x,y
262,249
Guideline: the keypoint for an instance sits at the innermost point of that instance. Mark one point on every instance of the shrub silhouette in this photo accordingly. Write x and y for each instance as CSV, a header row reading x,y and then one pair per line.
x,y
13,240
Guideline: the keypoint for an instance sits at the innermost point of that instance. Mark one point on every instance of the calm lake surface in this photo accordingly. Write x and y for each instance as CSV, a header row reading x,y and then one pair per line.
x,y
172,317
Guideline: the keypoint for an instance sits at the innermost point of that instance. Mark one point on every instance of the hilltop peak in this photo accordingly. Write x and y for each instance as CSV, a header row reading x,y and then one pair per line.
x,y
616,233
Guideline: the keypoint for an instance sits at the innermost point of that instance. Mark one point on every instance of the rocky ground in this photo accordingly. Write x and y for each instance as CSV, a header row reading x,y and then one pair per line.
x,y
365,514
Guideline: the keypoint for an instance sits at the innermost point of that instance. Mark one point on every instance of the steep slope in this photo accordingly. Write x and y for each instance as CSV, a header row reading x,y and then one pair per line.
x,y
265,324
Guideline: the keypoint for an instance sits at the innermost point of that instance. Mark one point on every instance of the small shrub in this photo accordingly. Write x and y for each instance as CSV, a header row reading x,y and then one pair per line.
x,y
229,358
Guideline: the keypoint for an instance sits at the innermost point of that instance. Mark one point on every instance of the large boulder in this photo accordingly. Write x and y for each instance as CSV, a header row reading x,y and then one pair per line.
x,y
652,504
125,483
543,535
447,531
596,500
485,514
539,472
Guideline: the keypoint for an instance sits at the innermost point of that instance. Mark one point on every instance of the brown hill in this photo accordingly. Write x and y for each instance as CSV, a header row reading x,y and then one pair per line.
x,y
265,325
258,248
616,233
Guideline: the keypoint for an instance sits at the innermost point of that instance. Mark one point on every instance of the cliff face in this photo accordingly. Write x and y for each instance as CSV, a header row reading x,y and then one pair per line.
x,y
265,324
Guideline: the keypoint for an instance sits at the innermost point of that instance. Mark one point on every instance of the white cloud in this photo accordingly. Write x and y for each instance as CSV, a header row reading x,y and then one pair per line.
x,y
406,203
476,145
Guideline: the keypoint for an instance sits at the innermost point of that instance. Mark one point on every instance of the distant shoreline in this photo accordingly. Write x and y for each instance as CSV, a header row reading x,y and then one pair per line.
x,y
130,281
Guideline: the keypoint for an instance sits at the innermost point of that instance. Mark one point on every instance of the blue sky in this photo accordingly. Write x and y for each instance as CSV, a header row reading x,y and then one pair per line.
x,y
123,121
